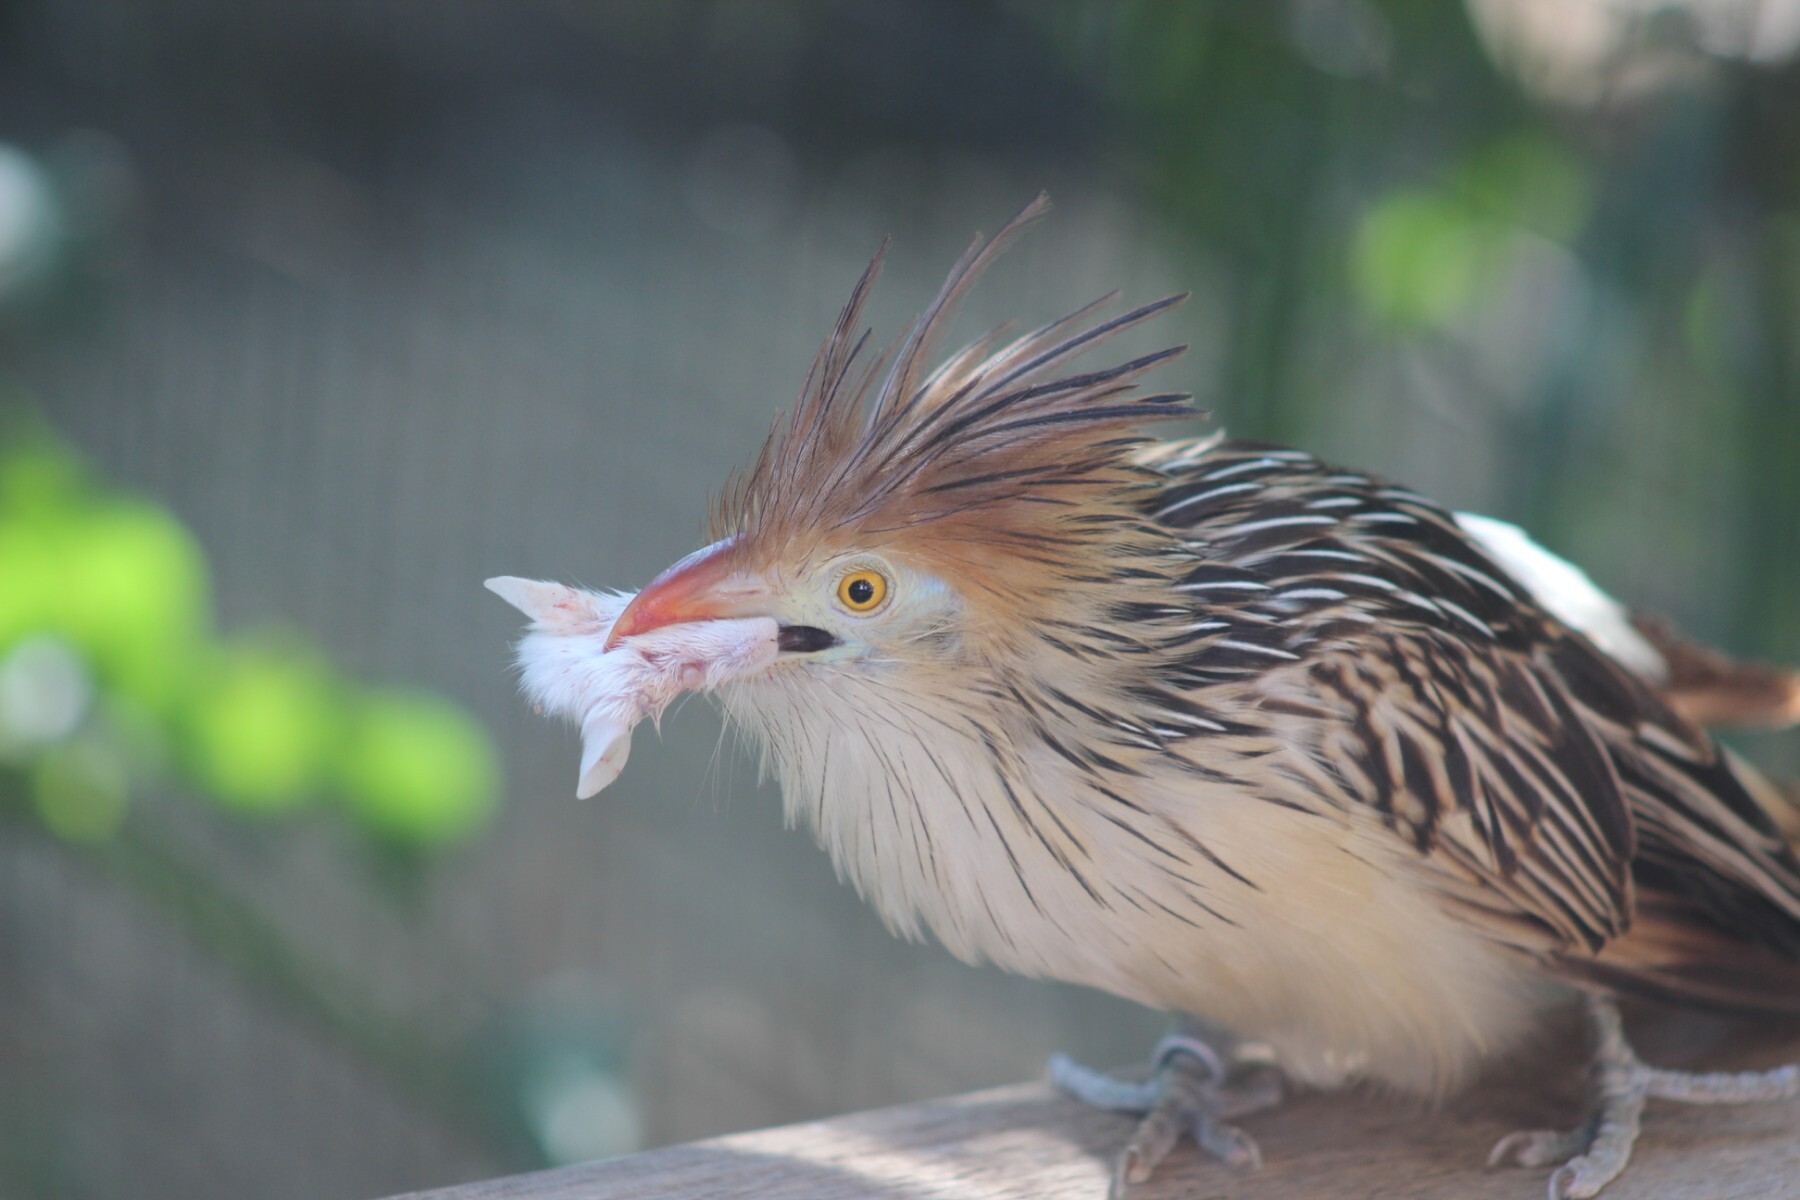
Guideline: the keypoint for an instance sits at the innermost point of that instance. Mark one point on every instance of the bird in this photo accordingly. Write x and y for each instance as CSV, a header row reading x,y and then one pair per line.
x,y
1359,788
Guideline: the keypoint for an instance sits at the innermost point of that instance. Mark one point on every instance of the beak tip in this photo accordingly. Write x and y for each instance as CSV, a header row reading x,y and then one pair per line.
x,y
687,591
631,621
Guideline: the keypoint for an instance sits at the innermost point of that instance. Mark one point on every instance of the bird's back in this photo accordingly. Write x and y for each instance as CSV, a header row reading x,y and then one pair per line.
x,y
1550,788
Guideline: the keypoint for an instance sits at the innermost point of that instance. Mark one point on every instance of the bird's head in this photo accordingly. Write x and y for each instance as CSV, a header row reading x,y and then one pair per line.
x,y
947,576
912,523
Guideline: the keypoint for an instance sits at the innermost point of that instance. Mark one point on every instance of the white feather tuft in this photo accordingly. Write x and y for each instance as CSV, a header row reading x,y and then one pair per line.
x,y
1566,591
566,670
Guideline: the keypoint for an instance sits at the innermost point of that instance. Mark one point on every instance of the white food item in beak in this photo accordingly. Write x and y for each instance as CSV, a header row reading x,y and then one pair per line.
x,y
566,670
605,745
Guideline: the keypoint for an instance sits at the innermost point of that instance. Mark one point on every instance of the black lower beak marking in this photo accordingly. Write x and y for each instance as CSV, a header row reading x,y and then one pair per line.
x,y
803,639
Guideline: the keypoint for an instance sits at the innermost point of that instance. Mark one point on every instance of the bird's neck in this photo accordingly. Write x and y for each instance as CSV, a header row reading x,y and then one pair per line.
x,y
973,805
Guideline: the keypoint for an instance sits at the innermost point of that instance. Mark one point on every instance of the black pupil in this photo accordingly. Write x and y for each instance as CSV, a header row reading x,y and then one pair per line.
x,y
861,591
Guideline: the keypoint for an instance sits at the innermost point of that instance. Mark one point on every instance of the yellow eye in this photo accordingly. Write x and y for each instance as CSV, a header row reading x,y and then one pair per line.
x,y
862,591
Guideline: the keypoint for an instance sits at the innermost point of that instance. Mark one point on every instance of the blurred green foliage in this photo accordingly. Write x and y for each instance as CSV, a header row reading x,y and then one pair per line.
x,y
410,769
1421,256
1583,249
110,672
78,787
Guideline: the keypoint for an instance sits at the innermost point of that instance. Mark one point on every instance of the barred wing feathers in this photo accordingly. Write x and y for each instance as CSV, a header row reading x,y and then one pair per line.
x,y
1546,787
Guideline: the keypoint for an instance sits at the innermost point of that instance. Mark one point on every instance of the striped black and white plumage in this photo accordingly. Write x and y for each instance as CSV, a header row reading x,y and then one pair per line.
x,y
1223,729
1541,771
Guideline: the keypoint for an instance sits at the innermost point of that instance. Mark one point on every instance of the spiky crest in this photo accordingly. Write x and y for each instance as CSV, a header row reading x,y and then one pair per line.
x,y
996,451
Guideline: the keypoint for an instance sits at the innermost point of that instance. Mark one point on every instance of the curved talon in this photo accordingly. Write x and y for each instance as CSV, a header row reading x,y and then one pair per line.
x,y
1182,1105
1129,1170
1594,1153
1229,1144
1537,1147
1191,1091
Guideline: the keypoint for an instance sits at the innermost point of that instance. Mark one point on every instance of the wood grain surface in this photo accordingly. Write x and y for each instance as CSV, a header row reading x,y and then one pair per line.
x,y
1026,1141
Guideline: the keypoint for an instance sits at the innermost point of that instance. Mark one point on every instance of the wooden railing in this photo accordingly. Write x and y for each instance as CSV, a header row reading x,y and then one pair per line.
x,y
1026,1143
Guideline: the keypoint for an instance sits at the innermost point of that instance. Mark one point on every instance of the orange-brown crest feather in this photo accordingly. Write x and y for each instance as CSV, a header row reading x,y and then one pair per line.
x,y
996,451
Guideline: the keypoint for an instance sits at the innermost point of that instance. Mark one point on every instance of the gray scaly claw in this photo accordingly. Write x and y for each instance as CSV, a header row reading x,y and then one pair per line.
x,y
1539,1147
1593,1154
1190,1091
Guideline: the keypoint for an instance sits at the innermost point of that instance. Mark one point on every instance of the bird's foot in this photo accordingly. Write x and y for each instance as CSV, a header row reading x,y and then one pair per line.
x,y
1594,1153
1192,1089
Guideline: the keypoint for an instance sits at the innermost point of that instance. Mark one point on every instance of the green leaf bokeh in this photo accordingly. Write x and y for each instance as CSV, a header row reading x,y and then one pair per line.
x,y
260,725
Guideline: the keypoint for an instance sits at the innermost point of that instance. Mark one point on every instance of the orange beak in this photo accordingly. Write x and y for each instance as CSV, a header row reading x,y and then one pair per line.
x,y
704,586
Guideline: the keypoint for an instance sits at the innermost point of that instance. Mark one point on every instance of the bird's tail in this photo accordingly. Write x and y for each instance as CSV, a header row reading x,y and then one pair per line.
x,y
1675,950
1712,690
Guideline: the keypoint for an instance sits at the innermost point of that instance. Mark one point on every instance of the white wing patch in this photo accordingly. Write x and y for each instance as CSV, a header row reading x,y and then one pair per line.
x,y
1566,591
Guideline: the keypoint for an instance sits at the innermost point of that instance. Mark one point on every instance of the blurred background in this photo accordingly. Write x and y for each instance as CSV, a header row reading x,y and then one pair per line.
x,y
312,316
